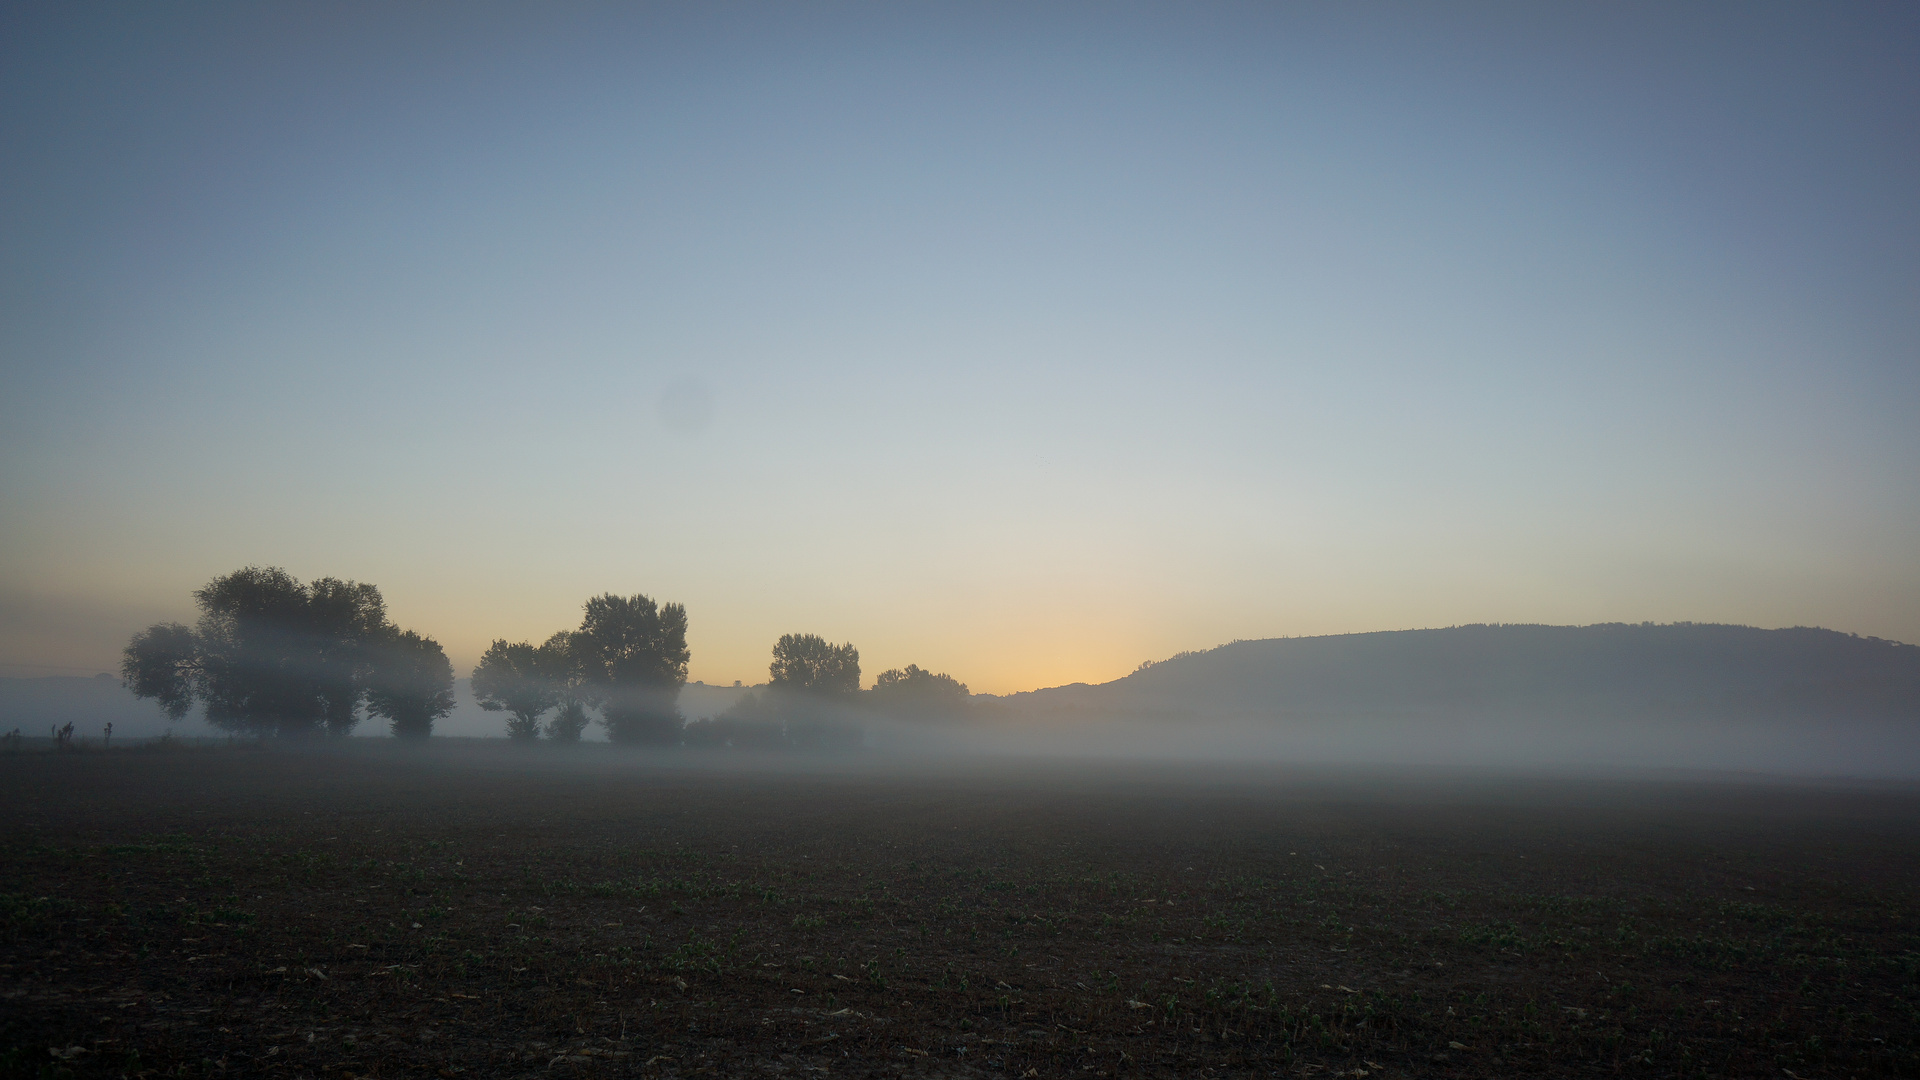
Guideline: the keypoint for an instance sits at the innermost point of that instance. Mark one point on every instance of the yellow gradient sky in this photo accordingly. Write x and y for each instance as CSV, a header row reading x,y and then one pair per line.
x,y
1020,343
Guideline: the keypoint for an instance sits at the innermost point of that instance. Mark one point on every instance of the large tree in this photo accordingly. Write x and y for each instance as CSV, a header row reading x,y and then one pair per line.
x,y
257,668
633,654
813,686
411,684
269,655
510,678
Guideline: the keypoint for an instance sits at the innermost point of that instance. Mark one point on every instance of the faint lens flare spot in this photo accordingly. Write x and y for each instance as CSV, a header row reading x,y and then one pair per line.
x,y
686,405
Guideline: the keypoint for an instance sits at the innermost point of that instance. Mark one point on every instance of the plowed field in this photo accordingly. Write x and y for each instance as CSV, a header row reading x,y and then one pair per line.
x,y
484,910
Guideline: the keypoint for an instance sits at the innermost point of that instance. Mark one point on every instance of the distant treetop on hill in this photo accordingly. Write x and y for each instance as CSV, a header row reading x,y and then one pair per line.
x,y
809,664
918,694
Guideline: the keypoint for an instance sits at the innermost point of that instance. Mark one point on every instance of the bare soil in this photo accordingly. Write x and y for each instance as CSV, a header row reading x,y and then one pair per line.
x,y
486,910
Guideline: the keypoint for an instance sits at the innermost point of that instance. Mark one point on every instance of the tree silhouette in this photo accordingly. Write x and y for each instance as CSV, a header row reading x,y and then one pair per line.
x,y
633,654
161,662
269,656
345,620
510,678
411,684
918,694
257,671
809,664
560,659
813,686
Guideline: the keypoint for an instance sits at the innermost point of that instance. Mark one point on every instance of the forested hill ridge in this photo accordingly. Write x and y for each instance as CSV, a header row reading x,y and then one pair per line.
x,y
1618,669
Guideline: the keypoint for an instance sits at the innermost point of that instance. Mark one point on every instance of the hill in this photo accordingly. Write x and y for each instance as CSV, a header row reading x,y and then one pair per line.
x,y
1685,694
1610,669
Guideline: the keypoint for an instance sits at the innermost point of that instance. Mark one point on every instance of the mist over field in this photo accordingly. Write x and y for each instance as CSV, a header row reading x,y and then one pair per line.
x,y
1679,696
1506,698
584,540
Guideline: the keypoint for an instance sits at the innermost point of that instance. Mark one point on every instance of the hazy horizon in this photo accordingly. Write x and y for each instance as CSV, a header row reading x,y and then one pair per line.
x,y
1739,700
1019,343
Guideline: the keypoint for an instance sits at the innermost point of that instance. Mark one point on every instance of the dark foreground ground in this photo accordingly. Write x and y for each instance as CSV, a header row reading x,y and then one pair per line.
x,y
458,913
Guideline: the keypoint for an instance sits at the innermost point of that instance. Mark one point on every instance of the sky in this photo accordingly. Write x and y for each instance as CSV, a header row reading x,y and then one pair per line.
x,y
1021,342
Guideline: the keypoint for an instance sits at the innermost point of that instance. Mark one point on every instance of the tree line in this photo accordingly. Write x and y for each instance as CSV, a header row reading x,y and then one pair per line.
x,y
628,659
271,656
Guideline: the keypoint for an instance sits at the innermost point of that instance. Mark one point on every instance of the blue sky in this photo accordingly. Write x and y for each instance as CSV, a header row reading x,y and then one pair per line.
x,y
1022,342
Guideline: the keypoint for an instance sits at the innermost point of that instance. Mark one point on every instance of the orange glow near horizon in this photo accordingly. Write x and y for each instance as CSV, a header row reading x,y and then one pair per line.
x,y
1168,330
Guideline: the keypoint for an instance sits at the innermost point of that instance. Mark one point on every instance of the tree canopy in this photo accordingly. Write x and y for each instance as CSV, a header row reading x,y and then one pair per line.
x,y
560,658
633,656
162,662
809,664
919,694
813,688
511,678
269,655
411,684
349,620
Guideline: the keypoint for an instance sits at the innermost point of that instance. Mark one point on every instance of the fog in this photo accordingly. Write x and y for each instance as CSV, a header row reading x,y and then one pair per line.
x,y
1687,697
1866,748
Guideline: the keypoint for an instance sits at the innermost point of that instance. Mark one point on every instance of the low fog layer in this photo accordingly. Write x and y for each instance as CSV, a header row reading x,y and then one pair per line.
x,y
1803,701
35,704
1682,695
